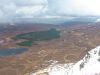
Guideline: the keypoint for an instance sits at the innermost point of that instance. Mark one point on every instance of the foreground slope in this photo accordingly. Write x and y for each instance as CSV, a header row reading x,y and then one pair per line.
x,y
89,65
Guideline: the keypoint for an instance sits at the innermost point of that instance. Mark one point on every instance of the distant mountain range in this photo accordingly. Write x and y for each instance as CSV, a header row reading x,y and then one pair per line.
x,y
54,20
57,20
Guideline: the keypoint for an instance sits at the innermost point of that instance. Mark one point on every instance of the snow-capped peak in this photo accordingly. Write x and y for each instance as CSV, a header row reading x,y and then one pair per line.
x,y
89,65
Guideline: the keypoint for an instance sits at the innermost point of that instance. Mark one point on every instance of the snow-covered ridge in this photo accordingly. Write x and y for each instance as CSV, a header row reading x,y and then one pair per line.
x,y
89,65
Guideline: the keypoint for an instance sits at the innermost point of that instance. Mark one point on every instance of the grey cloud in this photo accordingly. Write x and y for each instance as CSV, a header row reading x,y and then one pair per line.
x,y
10,9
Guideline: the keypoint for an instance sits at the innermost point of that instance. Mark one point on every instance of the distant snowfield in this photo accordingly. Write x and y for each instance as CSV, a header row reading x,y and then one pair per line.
x,y
89,65
98,20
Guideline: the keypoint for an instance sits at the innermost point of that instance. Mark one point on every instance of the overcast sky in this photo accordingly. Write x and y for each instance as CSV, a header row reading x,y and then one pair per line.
x,y
33,8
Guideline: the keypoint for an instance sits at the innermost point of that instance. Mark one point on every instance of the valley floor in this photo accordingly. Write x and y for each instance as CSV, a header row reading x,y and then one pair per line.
x,y
72,46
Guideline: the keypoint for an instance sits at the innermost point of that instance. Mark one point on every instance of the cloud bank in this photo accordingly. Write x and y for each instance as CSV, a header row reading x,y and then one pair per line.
x,y
77,7
12,9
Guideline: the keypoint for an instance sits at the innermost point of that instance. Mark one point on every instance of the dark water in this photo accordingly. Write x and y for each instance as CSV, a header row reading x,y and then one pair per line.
x,y
12,51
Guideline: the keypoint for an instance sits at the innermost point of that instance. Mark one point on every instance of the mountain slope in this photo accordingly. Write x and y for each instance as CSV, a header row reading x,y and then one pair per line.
x,y
89,65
